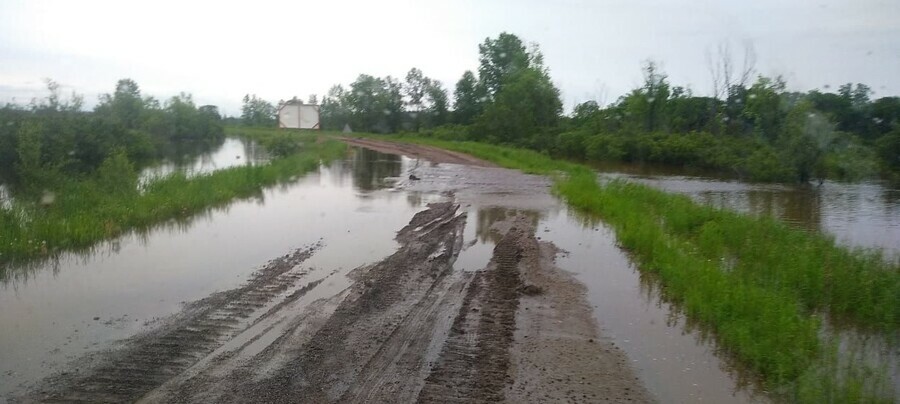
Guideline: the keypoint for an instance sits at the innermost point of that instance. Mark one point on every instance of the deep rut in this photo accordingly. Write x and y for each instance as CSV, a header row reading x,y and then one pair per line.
x,y
473,365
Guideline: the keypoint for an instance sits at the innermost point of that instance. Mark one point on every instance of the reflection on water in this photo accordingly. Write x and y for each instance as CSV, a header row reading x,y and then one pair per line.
x,y
80,302
859,215
232,152
374,170
486,217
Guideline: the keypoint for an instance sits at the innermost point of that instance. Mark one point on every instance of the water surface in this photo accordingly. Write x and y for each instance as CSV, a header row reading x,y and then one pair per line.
x,y
865,214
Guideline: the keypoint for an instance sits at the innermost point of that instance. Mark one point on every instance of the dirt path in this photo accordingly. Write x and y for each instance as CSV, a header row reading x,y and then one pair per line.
x,y
409,328
432,154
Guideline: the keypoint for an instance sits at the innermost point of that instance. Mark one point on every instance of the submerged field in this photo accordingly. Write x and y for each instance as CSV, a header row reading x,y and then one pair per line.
x,y
765,290
78,213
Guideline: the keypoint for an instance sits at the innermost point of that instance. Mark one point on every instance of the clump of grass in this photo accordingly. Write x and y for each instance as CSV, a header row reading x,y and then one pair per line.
x,y
760,285
79,213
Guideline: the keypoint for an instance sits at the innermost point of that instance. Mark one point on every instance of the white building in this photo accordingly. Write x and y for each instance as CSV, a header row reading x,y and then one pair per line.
x,y
294,114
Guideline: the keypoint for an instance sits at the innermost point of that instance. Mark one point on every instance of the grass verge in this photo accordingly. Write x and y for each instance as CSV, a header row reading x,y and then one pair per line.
x,y
761,286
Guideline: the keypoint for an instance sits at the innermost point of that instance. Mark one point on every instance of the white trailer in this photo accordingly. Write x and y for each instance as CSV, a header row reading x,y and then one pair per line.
x,y
297,115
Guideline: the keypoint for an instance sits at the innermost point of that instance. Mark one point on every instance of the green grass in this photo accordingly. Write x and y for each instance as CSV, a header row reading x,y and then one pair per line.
x,y
761,286
84,212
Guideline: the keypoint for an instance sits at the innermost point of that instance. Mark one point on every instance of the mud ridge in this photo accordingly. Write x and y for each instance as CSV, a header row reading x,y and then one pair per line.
x,y
474,364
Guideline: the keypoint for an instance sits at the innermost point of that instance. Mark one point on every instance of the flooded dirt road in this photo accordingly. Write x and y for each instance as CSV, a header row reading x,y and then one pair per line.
x,y
470,283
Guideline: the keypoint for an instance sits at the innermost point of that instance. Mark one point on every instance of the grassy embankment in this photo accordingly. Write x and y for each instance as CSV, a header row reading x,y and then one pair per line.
x,y
79,213
762,287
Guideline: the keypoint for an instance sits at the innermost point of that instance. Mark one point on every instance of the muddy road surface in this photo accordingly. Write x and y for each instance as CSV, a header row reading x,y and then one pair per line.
x,y
425,324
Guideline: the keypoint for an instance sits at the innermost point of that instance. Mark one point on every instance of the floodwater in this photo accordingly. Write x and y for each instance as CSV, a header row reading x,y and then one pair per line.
x,y
233,152
865,214
57,311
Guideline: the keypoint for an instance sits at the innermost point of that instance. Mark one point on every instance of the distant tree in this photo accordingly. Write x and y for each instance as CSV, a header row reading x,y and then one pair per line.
x,y
124,106
763,107
499,59
645,108
690,114
886,114
469,99
803,140
656,91
438,102
257,112
857,118
584,111
731,114
527,105
55,102
726,73
375,104
888,147
313,99
334,113
415,89
392,101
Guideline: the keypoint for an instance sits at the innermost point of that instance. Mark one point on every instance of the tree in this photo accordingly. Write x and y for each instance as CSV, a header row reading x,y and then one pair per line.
x,y
438,102
763,107
584,111
334,113
656,91
802,140
124,106
527,105
722,69
645,108
415,90
54,103
469,99
375,104
886,114
500,58
416,82
392,101
888,147
257,112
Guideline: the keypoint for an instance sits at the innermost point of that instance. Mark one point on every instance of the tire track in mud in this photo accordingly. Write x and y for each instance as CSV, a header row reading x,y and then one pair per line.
x,y
384,322
149,359
474,363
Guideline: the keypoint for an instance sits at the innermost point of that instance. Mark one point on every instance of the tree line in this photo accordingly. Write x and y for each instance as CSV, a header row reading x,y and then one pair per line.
x,y
751,127
54,139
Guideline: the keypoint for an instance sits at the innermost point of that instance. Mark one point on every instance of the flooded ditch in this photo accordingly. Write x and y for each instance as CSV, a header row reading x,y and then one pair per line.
x,y
326,238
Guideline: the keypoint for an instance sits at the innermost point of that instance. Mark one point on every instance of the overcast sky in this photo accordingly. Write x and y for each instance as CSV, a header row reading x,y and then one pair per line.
x,y
219,51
